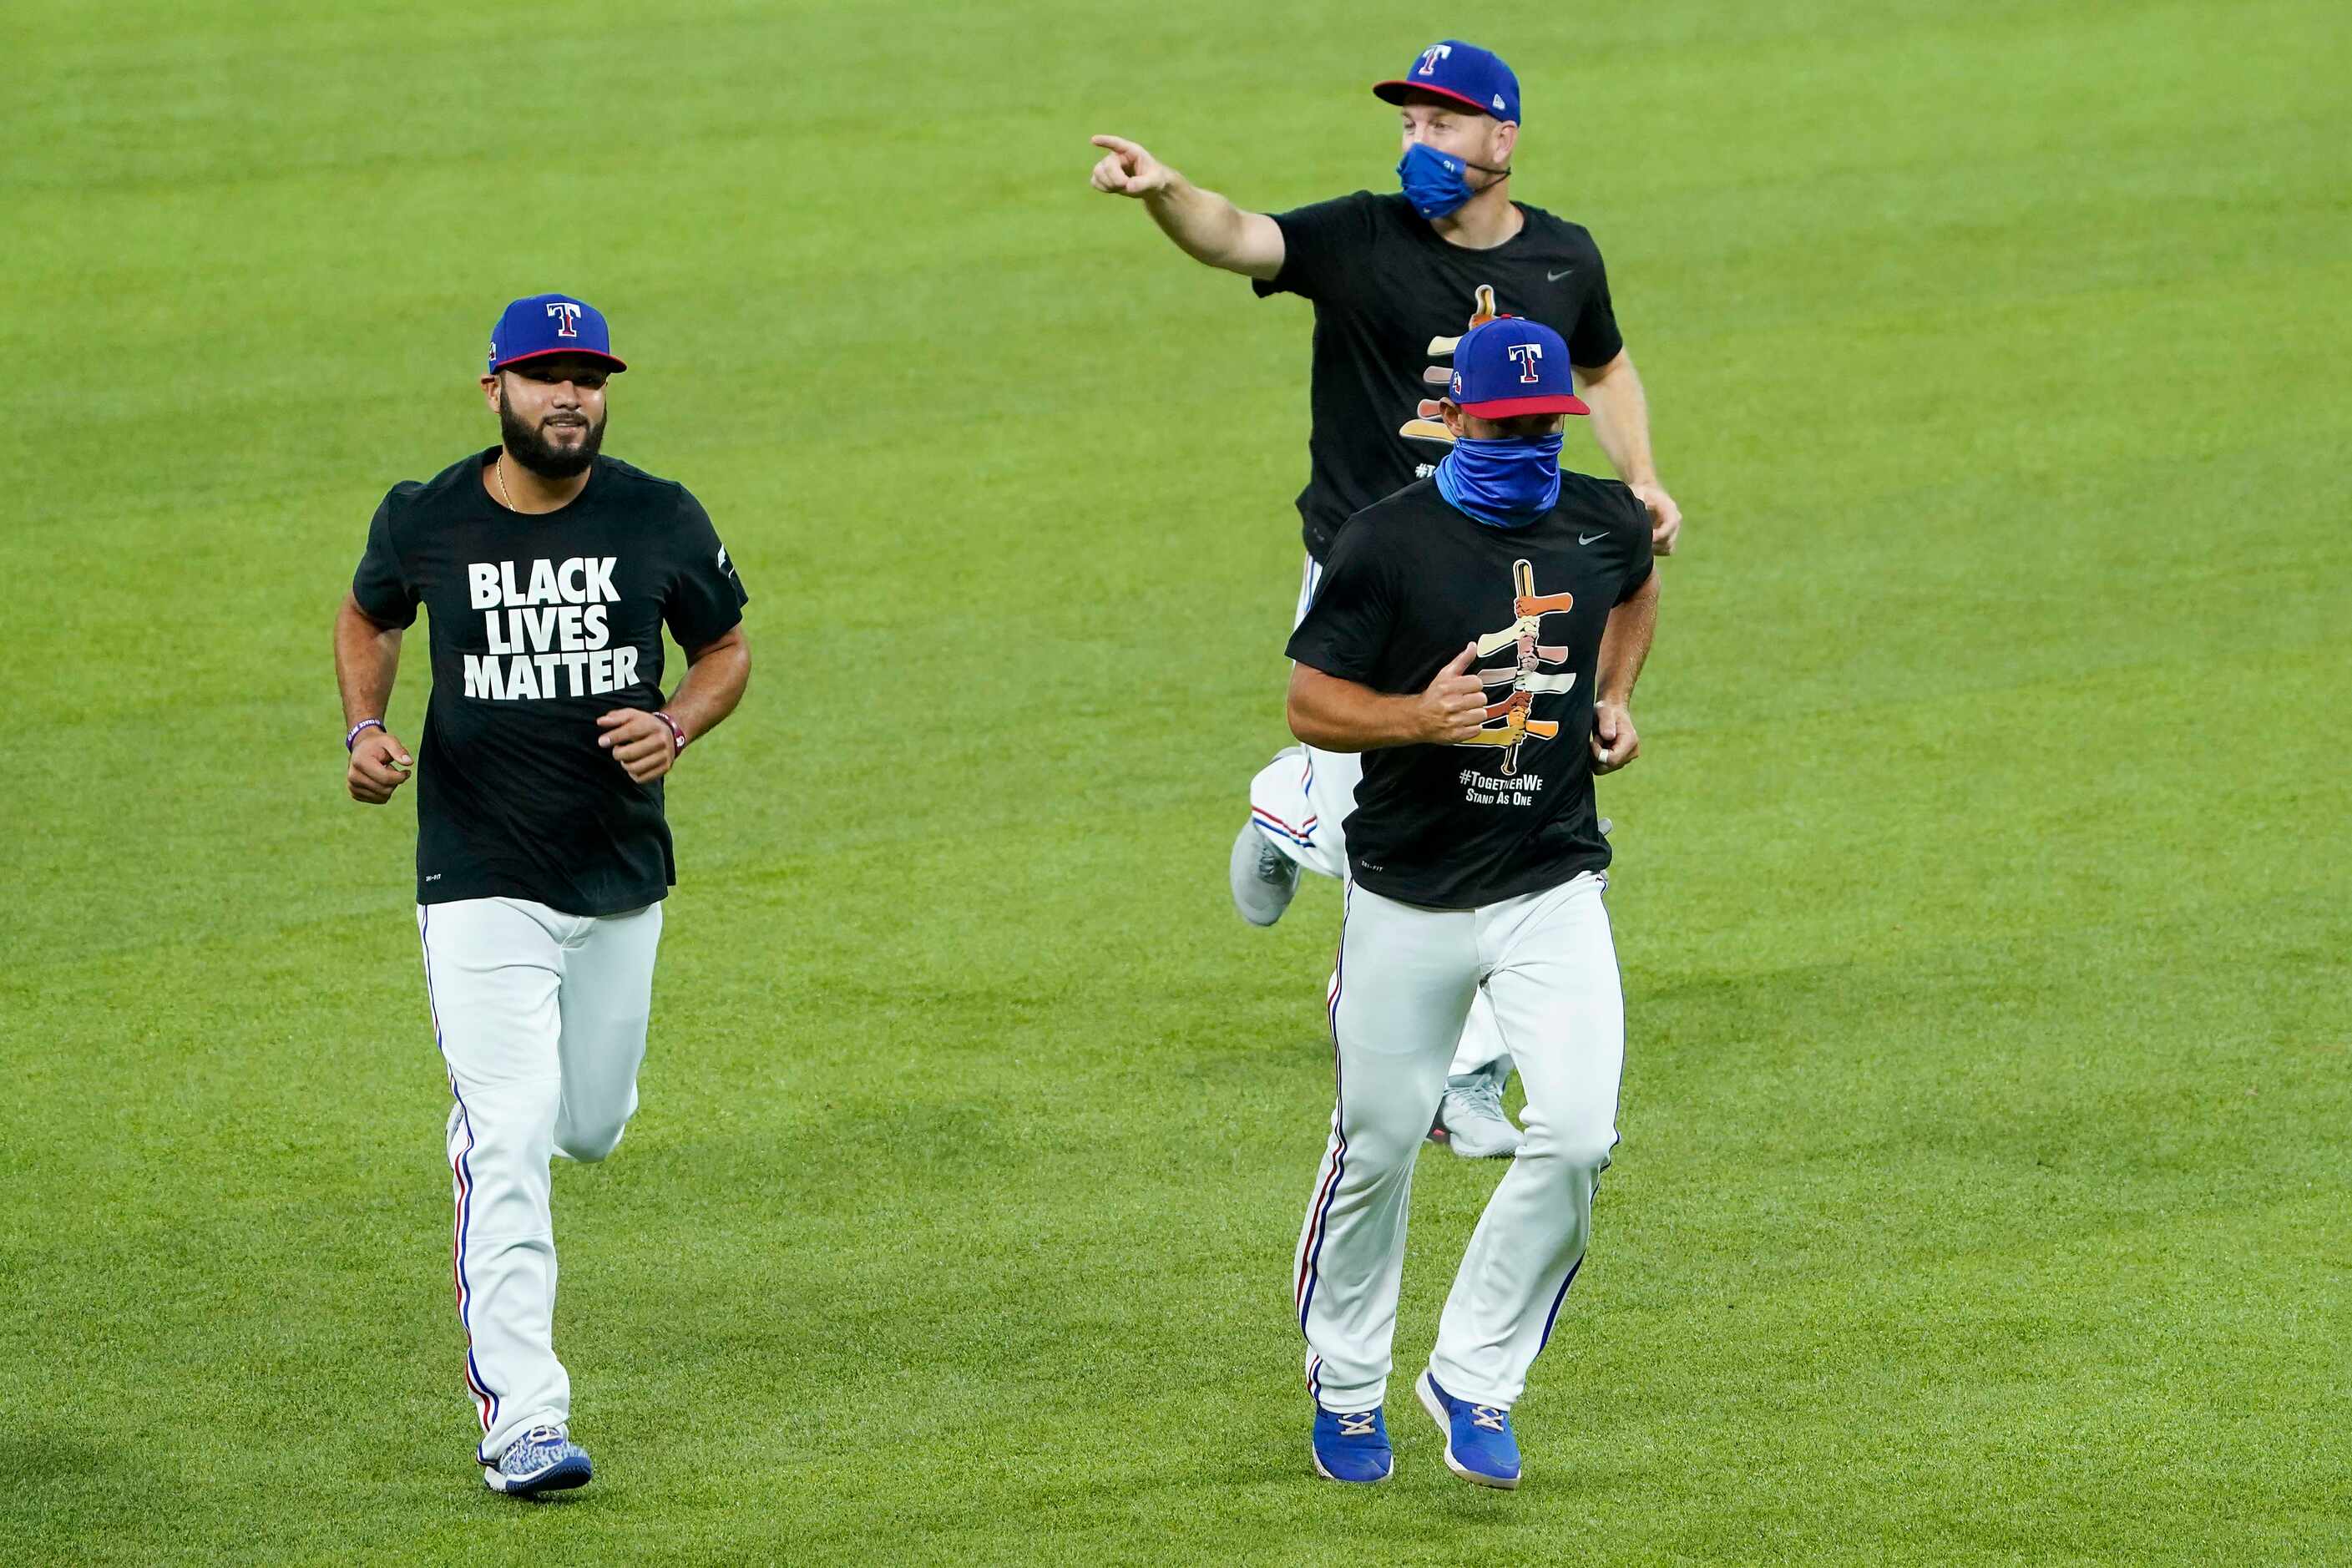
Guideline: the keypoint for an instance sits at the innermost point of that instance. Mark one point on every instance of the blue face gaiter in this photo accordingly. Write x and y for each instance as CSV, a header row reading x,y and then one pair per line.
x,y
1503,484
1434,183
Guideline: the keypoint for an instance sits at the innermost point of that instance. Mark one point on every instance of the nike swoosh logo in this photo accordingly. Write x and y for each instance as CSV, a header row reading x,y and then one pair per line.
x,y
1556,277
1589,538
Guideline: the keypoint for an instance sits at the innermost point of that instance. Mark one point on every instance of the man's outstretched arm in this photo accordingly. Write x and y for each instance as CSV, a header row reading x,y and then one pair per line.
x,y
1204,225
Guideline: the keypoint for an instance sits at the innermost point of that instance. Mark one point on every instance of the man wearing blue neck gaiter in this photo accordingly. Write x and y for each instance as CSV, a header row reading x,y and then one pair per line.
x,y
1475,641
1395,278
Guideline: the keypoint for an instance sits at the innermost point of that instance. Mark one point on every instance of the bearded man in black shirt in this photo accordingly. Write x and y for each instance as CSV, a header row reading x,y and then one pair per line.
x,y
1396,281
547,570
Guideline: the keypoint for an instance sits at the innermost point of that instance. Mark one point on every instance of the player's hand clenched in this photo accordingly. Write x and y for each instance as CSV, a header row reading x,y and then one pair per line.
x,y
1615,744
380,765
1452,706
641,743
1128,169
1665,517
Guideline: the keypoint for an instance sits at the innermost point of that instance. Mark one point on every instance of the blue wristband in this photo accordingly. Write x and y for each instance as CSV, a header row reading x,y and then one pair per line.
x,y
353,739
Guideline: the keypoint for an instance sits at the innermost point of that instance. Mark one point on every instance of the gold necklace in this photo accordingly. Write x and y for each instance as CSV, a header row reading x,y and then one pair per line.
x,y
502,481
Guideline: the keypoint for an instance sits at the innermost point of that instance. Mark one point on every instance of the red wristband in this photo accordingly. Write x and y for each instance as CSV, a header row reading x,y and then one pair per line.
x,y
677,731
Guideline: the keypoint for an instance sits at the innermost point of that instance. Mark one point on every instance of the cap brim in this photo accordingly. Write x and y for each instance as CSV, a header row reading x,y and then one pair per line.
x,y
616,363
1511,407
1395,91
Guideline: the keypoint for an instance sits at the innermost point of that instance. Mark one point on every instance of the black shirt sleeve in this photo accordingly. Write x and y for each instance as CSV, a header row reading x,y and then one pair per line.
x,y
1322,245
381,586
1639,560
706,599
1595,340
1350,625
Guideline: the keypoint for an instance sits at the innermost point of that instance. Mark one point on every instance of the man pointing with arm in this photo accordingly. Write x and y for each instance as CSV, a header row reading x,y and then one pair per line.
x,y
1396,280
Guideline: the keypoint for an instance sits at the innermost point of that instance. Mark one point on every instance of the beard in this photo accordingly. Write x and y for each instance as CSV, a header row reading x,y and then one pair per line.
x,y
534,451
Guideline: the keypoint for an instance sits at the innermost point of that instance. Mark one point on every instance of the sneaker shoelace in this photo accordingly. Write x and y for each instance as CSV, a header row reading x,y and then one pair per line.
x,y
1487,1416
1358,1425
1485,1097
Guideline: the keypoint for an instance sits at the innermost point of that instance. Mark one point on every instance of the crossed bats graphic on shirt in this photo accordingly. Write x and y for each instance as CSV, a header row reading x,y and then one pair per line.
x,y
1426,425
1506,722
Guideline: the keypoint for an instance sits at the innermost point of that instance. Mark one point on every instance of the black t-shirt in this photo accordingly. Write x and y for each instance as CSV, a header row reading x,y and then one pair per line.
x,y
540,624
1392,299
1410,581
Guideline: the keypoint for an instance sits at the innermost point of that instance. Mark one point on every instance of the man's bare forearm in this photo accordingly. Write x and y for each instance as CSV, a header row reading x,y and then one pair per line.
x,y
1210,228
715,679
1334,715
1621,418
367,661
1625,644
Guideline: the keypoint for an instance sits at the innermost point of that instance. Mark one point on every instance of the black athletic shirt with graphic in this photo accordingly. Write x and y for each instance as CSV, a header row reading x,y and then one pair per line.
x,y
1411,580
1391,298
539,623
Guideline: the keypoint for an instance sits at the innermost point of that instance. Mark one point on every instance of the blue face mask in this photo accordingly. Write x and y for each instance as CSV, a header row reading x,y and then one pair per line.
x,y
1503,484
1436,183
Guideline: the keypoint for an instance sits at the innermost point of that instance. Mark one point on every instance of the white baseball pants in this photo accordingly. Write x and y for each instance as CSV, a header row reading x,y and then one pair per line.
x,y
1300,799
541,1021
1405,980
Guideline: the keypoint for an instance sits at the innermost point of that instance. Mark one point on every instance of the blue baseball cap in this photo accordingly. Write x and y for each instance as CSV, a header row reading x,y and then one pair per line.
x,y
1511,365
547,325
1475,78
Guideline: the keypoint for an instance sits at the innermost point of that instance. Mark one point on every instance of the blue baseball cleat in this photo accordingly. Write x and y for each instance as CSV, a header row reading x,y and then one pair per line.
x,y
1479,1447
1351,1447
544,1460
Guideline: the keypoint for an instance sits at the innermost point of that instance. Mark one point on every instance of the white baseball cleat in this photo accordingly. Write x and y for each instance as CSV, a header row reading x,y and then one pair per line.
x,y
1264,879
1472,1117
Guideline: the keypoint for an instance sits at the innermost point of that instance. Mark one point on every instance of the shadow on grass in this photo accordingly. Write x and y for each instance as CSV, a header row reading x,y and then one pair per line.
x,y
55,1454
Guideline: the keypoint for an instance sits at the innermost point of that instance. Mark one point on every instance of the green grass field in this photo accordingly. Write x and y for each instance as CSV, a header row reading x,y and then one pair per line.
x,y
1981,893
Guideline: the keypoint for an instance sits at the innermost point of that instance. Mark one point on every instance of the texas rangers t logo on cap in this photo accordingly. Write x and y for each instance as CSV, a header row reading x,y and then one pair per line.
x,y
539,324
1459,73
1510,366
